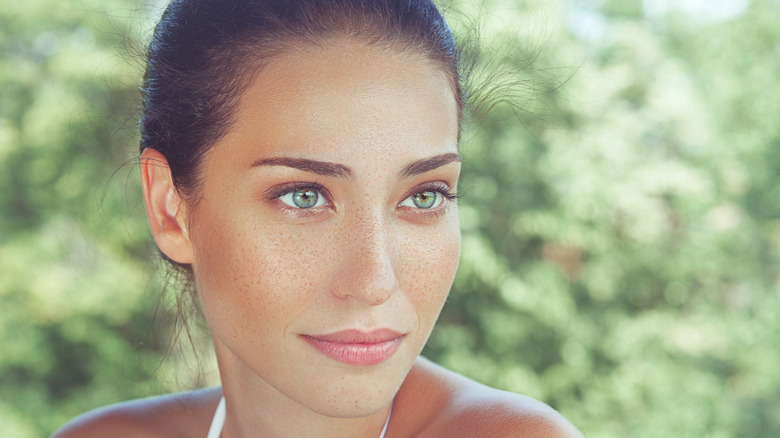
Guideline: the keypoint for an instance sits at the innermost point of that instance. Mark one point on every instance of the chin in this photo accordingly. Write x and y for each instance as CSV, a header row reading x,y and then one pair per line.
x,y
356,395
355,410
353,404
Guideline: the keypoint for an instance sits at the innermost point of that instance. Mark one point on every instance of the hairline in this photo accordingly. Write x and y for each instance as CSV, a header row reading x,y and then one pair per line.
x,y
250,66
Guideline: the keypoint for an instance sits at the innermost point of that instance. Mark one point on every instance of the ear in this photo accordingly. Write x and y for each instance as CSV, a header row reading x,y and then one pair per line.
x,y
165,209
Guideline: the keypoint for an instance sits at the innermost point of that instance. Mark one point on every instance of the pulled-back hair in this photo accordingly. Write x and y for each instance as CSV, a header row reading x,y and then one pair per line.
x,y
204,53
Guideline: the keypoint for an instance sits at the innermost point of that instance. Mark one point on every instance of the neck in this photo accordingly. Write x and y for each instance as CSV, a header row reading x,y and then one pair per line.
x,y
256,408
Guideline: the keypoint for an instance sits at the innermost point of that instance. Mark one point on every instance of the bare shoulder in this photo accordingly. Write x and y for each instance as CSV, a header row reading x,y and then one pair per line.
x,y
489,412
465,408
168,416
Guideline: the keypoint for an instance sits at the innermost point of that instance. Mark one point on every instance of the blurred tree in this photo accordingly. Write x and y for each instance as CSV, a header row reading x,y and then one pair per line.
x,y
621,263
619,214
74,252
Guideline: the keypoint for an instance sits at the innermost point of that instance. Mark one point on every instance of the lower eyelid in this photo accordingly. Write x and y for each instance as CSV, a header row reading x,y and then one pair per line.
x,y
301,213
428,215
432,213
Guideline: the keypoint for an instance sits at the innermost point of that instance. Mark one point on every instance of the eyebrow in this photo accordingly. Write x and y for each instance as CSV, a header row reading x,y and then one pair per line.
x,y
323,168
336,170
428,164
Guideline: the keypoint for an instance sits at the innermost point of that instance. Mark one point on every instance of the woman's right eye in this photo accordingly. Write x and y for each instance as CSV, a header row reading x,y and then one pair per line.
x,y
303,198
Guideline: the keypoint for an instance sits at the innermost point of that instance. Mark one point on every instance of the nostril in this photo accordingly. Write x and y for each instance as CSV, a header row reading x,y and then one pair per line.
x,y
366,276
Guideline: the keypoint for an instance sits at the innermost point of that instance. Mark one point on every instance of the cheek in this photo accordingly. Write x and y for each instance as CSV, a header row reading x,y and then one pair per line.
x,y
253,277
430,270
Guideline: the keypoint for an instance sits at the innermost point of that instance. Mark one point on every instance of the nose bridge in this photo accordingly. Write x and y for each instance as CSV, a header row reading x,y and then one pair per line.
x,y
366,270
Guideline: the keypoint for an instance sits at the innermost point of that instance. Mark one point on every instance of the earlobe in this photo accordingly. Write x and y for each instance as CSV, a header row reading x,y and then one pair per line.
x,y
165,209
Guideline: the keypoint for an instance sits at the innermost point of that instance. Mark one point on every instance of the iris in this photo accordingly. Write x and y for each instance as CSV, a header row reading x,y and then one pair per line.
x,y
305,198
425,200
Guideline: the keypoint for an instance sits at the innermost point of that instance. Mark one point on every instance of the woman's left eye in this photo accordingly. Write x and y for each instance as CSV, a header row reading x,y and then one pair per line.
x,y
303,198
423,200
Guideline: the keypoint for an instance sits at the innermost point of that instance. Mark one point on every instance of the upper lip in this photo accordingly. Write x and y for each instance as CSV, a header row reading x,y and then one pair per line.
x,y
354,336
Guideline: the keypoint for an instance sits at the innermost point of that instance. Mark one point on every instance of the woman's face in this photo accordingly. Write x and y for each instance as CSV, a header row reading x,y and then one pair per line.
x,y
324,244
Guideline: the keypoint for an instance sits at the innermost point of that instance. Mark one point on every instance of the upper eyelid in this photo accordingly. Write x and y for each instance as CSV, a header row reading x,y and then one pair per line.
x,y
434,186
280,190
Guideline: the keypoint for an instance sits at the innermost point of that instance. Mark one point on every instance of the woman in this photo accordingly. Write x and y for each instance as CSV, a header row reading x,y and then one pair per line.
x,y
299,160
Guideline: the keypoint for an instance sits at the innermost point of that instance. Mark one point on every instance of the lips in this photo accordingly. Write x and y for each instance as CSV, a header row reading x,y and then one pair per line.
x,y
354,347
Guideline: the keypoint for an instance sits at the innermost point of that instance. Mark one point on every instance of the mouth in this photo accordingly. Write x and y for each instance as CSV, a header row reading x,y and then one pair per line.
x,y
354,347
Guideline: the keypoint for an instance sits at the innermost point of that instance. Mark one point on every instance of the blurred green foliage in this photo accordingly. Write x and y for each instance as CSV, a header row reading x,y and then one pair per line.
x,y
621,220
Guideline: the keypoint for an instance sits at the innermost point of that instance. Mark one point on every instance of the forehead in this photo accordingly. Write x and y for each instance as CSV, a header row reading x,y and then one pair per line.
x,y
347,96
343,63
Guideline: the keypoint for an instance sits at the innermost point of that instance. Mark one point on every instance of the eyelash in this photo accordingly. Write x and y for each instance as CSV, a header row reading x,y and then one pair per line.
x,y
437,187
275,193
284,189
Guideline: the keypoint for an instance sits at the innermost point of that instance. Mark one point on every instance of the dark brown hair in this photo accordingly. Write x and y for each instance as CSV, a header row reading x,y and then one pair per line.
x,y
204,53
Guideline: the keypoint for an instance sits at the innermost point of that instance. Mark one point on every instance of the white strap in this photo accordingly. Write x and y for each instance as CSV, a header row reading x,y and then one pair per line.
x,y
219,420
387,422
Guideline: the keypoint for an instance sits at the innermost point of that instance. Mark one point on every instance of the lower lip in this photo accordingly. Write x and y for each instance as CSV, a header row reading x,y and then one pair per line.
x,y
356,353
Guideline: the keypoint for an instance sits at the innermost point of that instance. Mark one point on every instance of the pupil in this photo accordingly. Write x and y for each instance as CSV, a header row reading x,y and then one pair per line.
x,y
305,198
425,199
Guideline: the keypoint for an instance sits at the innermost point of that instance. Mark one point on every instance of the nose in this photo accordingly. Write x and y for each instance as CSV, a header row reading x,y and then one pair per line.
x,y
366,270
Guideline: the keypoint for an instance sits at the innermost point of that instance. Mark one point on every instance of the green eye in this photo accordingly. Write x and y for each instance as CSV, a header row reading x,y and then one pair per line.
x,y
423,200
303,198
